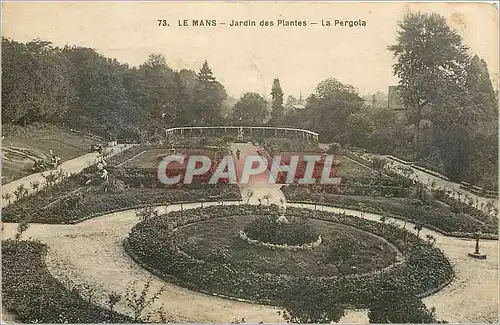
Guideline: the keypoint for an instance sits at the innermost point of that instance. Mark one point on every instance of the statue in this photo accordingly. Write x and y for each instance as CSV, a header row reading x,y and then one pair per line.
x,y
282,211
104,175
101,163
240,133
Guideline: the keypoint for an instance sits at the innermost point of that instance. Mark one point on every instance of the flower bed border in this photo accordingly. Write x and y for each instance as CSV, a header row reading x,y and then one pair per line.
x,y
455,234
243,236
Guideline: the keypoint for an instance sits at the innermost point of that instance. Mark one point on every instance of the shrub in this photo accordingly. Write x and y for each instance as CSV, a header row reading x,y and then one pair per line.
x,y
268,230
35,296
74,209
335,149
414,211
397,304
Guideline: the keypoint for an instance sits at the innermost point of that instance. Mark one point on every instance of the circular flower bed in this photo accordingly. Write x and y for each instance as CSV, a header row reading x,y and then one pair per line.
x,y
155,245
219,239
269,230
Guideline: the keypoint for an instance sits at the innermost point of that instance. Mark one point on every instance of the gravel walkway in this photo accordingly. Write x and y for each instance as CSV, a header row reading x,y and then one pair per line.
x,y
71,166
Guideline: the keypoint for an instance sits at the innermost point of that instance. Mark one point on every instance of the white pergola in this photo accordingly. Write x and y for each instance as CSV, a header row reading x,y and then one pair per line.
x,y
263,131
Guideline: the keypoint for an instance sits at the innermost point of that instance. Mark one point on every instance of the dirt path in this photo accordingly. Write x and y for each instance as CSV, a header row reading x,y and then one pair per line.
x,y
427,178
91,252
258,185
71,166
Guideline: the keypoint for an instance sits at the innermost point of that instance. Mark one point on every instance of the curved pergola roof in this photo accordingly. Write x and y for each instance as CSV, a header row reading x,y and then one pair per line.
x,y
304,133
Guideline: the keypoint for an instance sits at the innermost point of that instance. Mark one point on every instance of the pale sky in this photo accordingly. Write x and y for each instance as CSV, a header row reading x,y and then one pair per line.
x,y
249,58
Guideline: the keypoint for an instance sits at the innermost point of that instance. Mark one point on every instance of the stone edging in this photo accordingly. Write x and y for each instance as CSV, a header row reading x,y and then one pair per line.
x,y
286,247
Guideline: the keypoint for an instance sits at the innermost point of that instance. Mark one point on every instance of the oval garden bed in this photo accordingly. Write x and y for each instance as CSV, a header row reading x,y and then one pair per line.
x,y
172,247
218,240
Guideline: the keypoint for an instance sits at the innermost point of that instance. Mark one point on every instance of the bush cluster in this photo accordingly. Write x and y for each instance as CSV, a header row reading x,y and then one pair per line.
x,y
83,205
35,296
297,232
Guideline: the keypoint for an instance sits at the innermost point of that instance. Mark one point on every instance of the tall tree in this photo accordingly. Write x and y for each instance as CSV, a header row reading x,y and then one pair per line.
x,y
250,110
431,64
35,83
180,101
480,88
360,128
277,103
160,87
103,104
208,98
329,107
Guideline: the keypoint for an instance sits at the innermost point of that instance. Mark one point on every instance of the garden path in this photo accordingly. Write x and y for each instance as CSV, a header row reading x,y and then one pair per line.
x,y
91,252
257,184
427,178
75,165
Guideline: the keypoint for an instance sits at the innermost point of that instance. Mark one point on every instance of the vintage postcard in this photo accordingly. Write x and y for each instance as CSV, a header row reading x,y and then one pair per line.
x,y
249,162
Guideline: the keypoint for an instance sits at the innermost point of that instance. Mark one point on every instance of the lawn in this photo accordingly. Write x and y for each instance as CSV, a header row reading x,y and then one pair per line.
x,y
352,169
150,158
21,149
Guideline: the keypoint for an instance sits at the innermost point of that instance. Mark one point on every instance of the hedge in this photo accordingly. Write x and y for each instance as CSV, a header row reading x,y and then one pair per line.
x,y
36,296
74,209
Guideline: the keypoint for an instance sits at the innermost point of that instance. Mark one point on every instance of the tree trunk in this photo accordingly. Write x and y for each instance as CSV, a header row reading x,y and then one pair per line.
x,y
418,118
416,138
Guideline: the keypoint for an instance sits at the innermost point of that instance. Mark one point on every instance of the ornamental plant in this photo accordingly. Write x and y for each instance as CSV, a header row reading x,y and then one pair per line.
x,y
297,232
